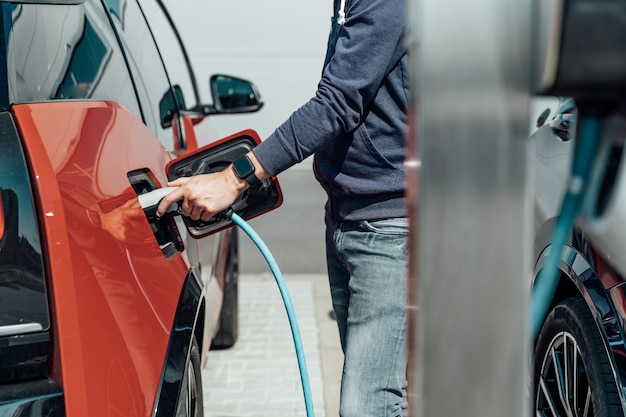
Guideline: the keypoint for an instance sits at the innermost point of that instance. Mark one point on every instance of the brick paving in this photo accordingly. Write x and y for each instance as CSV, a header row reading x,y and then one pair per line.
x,y
259,376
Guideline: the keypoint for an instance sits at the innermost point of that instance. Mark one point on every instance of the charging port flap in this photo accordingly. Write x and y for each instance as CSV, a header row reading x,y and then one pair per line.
x,y
216,157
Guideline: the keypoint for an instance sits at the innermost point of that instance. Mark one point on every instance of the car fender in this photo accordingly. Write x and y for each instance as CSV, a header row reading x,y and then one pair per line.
x,y
580,278
184,330
98,311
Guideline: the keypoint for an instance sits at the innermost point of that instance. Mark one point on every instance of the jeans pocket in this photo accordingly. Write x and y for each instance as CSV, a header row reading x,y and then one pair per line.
x,y
396,226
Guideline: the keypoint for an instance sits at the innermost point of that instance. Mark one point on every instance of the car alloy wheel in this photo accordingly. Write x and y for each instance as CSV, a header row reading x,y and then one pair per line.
x,y
572,372
190,402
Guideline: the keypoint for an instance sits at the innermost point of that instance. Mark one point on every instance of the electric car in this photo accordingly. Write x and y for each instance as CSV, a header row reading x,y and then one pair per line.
x,y
579,364
104,310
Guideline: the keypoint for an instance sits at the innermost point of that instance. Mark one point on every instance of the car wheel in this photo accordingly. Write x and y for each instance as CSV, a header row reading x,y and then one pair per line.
x,y
572,372
190,400
229,316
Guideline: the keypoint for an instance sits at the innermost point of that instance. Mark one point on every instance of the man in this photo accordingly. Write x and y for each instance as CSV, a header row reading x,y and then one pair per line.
x,y
356,126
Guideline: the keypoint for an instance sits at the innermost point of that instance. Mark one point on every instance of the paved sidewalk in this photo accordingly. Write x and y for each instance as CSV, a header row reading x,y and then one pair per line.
x,y
259,376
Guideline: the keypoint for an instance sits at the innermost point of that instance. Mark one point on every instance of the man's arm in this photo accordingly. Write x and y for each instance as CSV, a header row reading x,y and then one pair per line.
x,y
361,54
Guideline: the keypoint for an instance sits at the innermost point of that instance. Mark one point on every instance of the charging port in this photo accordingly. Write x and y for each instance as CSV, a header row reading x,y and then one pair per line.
x,y
164,229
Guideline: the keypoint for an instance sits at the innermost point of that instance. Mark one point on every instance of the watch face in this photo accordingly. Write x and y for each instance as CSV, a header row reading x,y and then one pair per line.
x,y
244,167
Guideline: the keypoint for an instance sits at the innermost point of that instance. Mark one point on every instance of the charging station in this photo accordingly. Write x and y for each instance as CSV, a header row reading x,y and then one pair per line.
x,y
475,303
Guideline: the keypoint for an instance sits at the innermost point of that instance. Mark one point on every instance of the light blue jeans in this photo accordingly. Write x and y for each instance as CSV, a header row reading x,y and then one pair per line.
x,y
367,268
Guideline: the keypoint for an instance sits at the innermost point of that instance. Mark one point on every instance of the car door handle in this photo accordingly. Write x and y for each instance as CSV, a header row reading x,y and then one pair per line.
x,y
561,124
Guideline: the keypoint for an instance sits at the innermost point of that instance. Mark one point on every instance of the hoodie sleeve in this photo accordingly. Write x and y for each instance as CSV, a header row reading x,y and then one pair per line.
x,y
361,52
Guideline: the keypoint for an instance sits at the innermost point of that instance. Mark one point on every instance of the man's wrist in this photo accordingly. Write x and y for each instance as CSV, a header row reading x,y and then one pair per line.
x,y
245,169
239,183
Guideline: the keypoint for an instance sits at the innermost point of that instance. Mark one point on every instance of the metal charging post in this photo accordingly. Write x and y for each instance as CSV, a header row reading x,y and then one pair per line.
x,y
470,211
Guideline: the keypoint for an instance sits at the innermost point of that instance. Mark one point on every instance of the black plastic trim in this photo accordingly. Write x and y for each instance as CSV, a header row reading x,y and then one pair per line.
x,y
179,346
24,357
42,397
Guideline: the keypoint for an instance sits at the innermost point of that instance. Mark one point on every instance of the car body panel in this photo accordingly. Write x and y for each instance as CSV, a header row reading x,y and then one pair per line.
x,y
125,320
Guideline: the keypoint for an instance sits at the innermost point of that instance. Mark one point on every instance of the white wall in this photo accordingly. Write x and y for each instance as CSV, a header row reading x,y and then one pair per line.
x,y
277,44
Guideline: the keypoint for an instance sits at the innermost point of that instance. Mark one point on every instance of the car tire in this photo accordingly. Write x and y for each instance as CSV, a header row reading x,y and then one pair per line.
x,y
226,335
570,354
190,400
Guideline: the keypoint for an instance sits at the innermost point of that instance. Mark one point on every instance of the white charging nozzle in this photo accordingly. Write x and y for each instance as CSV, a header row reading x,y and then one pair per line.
x,y
150,201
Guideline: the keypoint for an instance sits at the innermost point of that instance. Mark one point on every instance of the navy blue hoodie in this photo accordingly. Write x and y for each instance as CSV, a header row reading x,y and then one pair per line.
x,y
356,123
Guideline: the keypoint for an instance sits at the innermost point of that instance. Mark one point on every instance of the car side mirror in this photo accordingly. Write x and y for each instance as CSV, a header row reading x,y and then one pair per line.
x,y
580,46
171,102
216,157
234,95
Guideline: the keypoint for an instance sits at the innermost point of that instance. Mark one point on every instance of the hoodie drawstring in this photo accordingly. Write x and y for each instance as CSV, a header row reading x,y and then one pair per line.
x,y
342,13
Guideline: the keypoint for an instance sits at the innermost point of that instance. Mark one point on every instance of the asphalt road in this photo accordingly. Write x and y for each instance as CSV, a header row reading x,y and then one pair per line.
x,y
294,232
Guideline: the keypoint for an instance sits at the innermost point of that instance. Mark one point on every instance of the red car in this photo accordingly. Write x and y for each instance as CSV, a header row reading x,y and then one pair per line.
x,y
104,311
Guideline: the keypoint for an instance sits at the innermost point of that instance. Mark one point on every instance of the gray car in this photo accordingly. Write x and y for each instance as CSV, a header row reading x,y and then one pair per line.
x,y
579,359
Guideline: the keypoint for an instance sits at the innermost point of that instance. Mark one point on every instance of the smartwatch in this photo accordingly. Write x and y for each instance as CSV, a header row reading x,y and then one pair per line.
x,y
245,170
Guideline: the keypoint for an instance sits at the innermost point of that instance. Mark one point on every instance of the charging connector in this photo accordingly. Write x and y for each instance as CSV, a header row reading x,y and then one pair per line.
x,y
150,201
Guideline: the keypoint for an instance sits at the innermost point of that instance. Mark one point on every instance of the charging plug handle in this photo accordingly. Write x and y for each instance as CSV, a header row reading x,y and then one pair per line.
x,y
150,201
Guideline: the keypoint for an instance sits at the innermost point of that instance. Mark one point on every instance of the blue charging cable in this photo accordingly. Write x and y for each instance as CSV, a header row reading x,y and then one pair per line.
x,y
291,314
150,201
585,149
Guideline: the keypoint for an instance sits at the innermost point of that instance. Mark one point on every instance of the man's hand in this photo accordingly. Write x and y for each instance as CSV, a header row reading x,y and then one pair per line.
x,y
205,195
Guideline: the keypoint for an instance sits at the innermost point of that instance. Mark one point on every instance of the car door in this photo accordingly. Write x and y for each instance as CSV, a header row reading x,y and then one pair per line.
x,y
553,145
185,124
169,98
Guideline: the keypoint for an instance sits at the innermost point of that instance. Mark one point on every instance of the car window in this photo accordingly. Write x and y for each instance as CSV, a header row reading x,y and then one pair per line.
x,y
153,87
171,50
65,52
23,301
